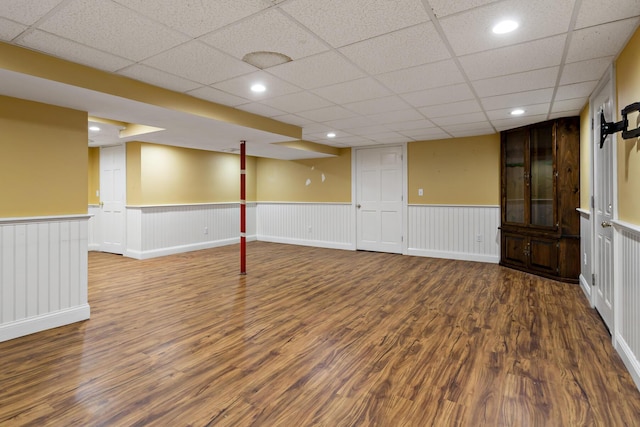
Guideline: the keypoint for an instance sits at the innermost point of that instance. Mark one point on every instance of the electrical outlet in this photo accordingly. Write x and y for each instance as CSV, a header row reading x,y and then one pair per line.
x,y
206,230
420,192
479,238
309,228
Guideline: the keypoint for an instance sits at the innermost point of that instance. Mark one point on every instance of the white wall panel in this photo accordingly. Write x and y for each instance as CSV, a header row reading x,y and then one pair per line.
x,y
94,235
585,253
627,298
163,230
325,225
454,232
43,282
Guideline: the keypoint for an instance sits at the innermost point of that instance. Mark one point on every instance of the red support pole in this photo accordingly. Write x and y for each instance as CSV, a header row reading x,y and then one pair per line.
x,y
243,209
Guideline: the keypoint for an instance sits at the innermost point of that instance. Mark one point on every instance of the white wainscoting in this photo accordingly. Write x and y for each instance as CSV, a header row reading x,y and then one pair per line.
x,y
154,231
326,225
453,232
43,273
627,297
94,228
585,253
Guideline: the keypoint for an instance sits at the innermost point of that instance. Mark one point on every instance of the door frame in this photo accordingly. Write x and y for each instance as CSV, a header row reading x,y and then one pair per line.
x,y
354,187
102,224
607,79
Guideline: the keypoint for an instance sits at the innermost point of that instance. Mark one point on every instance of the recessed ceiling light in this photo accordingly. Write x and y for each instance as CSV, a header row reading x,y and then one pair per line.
x,y
258,88
504,27
517,112
94,128
331,135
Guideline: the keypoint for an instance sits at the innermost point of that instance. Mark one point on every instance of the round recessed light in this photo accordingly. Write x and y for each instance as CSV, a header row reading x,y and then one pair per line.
x,y
517,112
94,128
331,135
258,88
504,27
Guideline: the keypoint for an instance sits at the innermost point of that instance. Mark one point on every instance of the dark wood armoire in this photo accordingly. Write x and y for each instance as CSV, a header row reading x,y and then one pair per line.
x,y
540,191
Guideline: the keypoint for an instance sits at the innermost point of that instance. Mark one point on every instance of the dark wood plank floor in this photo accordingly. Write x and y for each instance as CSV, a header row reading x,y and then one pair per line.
x,y
317,337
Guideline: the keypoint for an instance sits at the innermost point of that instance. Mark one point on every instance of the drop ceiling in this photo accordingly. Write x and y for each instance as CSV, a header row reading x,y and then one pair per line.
x,y
371,71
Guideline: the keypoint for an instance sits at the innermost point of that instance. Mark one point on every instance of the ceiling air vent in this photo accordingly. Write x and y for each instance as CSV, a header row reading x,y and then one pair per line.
x,y
264,59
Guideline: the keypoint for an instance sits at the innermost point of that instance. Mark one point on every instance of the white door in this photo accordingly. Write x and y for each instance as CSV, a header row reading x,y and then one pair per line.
x,y
113,187
603,206
379,175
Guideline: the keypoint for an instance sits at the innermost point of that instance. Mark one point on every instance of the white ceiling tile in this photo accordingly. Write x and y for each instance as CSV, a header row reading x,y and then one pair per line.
x,y
564,114
342,22
514,59
530,110
394,117
10,29
327,114
388,138
298,102
241,86
215,95
596,12
413,125
520,99
293,120
112,28
461,125
426,134
584,71
520,82
470,31
317,71
515,122
443,110
439,95
72,51
351,122
443,8
316,128
353,91
461,133
378,105
600,41
260,109
269,32
195,17
26,12
569,105
422,77
194,61
457,119
159,78
401,49
577,90
368,130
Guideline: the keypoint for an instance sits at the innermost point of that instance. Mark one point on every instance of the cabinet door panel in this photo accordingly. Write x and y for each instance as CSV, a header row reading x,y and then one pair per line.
x,y
514,249
544,255
514,180
542,176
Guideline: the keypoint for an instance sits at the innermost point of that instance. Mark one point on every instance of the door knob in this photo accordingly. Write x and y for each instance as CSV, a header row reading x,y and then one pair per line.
x,y
605,224
358,206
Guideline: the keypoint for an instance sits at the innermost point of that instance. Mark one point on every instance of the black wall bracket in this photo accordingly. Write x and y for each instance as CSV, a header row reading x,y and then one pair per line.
x,y
608,128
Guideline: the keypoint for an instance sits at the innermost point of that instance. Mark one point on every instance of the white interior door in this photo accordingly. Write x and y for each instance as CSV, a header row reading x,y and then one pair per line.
x,y
113,187
603,207
379,174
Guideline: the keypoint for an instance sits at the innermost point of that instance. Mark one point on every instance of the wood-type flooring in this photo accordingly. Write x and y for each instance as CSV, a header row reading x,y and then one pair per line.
x,y
318,337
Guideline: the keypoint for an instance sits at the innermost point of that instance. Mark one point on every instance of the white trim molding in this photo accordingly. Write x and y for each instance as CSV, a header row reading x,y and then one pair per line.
x,y
43,273
460,232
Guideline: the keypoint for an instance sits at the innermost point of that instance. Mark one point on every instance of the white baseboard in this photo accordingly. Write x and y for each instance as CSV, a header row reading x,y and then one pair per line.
x,y
462,256
313,243
586,288
94,247
31,325
629,359
154,253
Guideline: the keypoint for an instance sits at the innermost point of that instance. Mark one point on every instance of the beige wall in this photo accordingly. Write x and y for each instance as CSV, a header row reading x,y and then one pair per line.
x,y
301,180
94,175
43,159
585,158
160,174
460,171
628,92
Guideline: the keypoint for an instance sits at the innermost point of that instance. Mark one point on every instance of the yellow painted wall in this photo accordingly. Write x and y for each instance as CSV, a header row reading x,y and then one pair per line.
x,y
628,92
585,158
43,159
94,175
460,171
301,180
161,175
